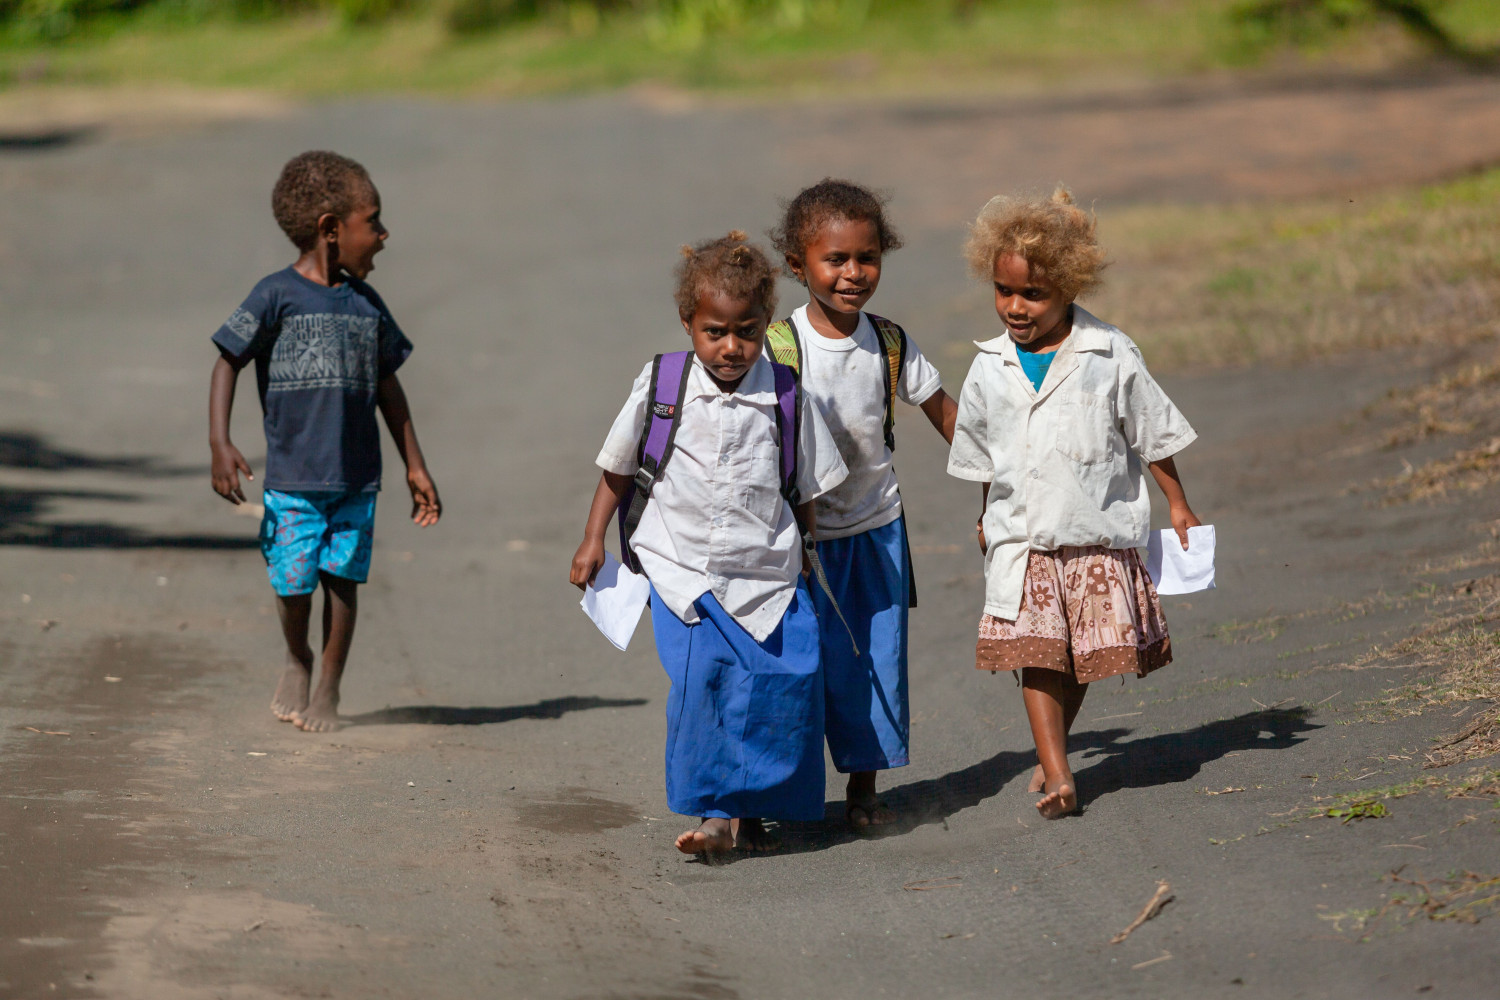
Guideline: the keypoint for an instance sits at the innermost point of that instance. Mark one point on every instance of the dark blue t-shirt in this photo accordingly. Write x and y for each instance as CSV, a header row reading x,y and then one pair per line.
x,y
318,353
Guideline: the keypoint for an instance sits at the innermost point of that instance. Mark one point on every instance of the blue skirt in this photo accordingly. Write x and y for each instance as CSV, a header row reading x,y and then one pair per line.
x,y
868,722
744,719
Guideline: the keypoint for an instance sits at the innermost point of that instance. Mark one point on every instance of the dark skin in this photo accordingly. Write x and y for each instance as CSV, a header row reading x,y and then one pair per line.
x,y
1039,318
346,247
840,265
728,335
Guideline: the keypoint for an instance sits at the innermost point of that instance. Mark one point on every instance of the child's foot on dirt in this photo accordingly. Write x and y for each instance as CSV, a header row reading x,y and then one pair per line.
x,y
862,807
1038,780
291,691
752,836
867,811
713,837
320,716
1058,802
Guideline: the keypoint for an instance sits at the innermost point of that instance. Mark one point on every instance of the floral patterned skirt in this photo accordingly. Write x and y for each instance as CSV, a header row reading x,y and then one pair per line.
x,y
1085,610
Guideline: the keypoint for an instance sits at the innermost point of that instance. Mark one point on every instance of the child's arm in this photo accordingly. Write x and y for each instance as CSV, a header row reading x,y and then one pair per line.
x,y
426,508
1183,518
942,410
227,462
590,554
984,505
807,522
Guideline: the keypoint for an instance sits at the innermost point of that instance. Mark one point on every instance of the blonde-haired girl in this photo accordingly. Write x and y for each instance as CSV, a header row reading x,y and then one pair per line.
x,y
1059,420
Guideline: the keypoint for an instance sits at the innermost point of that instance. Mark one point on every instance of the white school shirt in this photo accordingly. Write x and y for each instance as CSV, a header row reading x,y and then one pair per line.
x,y
1066,463
846,377
716,522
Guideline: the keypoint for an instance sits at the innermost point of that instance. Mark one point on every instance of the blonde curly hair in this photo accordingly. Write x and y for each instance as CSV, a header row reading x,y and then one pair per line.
x,y
1051,234
729,264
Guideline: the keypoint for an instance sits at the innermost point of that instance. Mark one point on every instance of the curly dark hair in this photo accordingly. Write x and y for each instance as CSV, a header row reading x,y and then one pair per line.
x,y
314,184
729,265
827,200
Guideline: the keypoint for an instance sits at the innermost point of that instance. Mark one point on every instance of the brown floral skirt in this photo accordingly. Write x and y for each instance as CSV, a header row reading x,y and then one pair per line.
x,y
1085,610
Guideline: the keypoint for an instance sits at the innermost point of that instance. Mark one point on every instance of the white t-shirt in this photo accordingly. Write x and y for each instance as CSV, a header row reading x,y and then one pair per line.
x,y
846,377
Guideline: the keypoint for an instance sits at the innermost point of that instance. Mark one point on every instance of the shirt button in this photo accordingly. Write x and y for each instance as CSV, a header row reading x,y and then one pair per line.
x,y
718,521
1036,474
1104,542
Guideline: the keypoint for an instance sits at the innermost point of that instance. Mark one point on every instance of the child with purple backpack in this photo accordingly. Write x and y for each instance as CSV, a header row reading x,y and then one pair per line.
x,y
712,466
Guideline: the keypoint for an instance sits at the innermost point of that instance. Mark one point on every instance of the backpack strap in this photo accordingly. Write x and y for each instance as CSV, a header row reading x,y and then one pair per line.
x,y
669,375
893,346
788,427
786,348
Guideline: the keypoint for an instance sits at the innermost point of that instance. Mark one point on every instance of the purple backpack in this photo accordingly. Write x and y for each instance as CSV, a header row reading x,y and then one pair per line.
x,y
669,375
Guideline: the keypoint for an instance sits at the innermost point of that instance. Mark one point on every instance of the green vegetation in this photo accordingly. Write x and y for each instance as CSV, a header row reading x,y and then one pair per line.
x,y
849,47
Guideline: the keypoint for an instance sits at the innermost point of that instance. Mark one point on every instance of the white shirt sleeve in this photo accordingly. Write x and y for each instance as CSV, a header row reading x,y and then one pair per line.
x,y
919,379
1153,426
819,466
969,458
619,452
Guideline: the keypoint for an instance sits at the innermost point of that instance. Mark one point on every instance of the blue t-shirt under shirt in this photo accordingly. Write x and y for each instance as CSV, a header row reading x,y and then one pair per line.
x,y
318,354
1035,365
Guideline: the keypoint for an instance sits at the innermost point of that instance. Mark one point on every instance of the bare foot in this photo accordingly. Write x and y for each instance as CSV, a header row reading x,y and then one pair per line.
x,y
320,716
291,691
862,807
713,837
867,811
752,836
1059,801
1038,780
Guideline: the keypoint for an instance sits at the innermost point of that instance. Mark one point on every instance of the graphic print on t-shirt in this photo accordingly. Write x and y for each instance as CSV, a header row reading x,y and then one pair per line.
x,y
324,351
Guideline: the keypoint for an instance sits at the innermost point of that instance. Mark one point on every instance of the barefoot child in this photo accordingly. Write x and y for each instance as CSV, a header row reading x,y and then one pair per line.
x,y
834,237
326,352
1059,420
718,538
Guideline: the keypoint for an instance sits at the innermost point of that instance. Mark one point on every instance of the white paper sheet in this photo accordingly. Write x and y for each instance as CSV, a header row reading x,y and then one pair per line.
x,y
615,600
1176,570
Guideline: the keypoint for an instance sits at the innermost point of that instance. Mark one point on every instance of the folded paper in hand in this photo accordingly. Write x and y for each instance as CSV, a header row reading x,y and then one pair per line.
x,y
615,600
1176,570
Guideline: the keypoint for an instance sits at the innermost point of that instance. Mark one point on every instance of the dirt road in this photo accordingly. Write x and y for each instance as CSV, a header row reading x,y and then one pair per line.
x,y
492,821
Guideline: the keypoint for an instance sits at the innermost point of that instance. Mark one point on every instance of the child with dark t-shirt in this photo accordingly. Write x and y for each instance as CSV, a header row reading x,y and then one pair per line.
x,y
326,352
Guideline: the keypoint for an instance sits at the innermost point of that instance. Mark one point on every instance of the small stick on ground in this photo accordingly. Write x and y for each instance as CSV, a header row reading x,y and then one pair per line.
x,y
1160,898
923,884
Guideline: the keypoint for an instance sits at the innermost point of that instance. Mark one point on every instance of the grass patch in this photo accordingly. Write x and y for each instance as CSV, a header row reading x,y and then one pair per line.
x,y
1460,896
851,47
1245,283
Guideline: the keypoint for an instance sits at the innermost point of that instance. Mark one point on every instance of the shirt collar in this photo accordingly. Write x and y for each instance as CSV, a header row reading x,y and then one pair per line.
x,y
1089,334
758,385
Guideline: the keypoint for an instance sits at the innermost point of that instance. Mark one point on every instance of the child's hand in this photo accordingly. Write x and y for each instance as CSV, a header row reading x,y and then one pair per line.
x,y
1183,518
426,508
226,467
984,546
586,563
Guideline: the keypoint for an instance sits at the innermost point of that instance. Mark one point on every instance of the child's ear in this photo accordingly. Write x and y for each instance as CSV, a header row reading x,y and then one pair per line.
x,y
328,227
687,324
794,264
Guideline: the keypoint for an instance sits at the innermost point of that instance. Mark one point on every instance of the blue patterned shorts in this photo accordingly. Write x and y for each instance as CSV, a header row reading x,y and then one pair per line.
x,y
304,533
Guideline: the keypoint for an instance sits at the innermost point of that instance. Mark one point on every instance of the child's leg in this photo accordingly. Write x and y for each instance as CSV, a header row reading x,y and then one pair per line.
x,y
1072,701
291,691
340,608
1047,694
867,721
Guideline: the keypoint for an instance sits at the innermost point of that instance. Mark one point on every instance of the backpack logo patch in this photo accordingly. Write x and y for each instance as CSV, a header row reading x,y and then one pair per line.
x,y
663,410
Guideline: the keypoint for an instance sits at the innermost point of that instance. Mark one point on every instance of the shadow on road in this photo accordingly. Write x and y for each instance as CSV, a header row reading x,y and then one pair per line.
x,y
24,510
450,715
1166,759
